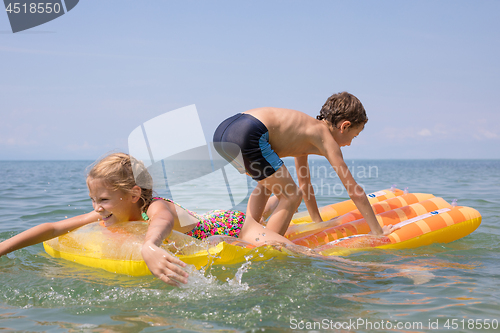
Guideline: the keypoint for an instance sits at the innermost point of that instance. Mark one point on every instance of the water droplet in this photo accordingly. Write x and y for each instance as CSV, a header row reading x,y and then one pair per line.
x,y
256,239
257,309
263,234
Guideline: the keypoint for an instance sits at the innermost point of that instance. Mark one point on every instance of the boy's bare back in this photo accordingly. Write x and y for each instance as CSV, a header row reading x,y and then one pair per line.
x,y
294,133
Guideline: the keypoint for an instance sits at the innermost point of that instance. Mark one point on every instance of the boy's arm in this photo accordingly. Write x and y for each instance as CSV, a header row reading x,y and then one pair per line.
x,y
304,177
358,196
355,191
162,264
45,231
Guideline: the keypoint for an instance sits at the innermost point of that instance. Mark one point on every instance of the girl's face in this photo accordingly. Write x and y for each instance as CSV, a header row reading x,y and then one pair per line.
x,y
113,205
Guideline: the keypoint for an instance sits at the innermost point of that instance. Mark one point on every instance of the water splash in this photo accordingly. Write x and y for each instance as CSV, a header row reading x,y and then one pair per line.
x,y
203,284
236,281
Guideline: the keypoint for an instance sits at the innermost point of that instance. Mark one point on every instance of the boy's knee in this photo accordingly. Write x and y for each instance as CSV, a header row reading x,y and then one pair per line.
x,y
290,193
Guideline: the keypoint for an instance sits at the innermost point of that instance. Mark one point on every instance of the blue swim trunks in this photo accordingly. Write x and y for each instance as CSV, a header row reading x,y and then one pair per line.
x,y
246,134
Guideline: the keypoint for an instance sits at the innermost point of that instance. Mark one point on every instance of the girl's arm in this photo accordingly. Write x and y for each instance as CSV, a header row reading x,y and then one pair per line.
x,y
304,177
162,264
45,231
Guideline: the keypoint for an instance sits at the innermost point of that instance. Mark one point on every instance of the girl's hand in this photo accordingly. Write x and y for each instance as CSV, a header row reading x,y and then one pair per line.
x,y
163,265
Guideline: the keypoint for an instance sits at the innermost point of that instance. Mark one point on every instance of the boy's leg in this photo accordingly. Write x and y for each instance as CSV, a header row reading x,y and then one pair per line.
x,y
258,202
252,231
271,205
257,234
289,195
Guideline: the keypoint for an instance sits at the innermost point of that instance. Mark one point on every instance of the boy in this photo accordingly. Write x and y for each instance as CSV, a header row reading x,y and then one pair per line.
x,y
265,135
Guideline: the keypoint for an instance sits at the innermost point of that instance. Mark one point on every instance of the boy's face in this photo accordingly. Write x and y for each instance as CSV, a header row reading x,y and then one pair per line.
x,y
345,133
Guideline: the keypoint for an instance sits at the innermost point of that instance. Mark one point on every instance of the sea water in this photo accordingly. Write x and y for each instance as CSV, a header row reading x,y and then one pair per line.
x,y
440,288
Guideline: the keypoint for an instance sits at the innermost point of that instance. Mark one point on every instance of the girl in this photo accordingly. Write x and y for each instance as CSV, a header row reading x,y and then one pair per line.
x,y
116,197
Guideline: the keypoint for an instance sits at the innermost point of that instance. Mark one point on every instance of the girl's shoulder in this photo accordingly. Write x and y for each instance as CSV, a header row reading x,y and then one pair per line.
x,y
165,200
156,203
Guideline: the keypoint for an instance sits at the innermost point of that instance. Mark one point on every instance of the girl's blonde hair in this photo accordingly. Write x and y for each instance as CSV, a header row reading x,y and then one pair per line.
x,y
122,172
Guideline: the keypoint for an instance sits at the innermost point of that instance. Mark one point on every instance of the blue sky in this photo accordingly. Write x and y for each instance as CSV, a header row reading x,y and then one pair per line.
x,y
427,72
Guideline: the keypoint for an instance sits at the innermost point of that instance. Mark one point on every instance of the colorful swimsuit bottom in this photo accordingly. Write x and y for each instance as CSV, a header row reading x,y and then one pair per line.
x,y
215,222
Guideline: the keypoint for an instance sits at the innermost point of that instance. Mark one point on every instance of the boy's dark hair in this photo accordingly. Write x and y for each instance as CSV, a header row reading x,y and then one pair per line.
x,y
343,106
